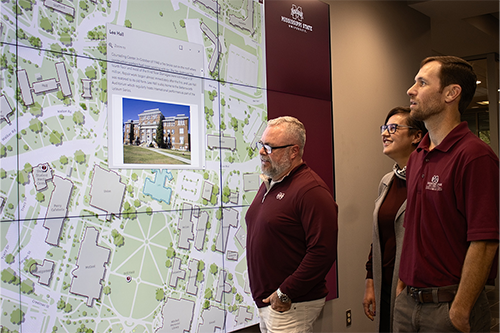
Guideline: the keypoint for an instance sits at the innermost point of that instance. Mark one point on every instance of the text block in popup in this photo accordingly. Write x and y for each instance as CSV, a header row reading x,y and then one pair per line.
x,y
154,88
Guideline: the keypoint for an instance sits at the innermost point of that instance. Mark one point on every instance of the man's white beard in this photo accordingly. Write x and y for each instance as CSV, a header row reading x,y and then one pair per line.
x,y
276,170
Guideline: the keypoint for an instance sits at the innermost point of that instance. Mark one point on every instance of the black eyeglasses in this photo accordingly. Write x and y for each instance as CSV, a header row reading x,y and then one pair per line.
x,y
391,128
268,148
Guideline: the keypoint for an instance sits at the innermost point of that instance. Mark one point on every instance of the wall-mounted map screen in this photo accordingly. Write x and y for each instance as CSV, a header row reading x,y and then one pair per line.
x,y
128,161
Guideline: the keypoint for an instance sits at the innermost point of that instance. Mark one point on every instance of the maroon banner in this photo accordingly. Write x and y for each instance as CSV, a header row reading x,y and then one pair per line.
x,y
298,65
298,48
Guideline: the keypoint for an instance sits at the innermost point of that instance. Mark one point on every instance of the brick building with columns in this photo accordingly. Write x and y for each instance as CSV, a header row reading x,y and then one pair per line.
x,y
175,130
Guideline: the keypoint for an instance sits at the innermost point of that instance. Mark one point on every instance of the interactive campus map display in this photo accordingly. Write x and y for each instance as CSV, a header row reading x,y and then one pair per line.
x,y
105,228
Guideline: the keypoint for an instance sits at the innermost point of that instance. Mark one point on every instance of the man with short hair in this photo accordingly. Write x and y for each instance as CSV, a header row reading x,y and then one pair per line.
x,y
451,223
291,233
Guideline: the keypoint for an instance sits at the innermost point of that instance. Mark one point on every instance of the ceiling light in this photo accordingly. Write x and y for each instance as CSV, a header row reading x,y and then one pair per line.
x,y
483,103
478,82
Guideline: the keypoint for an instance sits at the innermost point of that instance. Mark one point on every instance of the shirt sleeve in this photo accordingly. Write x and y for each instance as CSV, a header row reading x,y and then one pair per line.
x,y
369,264
480,203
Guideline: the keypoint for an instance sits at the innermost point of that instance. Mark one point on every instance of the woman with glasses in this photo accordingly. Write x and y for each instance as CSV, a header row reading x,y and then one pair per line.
x,y
400,136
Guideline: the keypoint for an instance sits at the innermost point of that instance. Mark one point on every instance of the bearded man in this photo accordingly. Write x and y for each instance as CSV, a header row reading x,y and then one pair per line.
x,y
291,233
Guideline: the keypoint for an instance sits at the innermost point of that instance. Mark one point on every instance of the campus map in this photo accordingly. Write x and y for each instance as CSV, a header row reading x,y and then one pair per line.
x,y
88,247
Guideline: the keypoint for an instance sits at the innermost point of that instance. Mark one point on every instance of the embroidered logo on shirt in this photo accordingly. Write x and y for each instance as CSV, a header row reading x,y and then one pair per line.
x,y
280,195
434,184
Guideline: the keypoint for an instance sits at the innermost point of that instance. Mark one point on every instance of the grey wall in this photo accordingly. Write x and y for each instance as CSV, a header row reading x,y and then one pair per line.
x,y
376,51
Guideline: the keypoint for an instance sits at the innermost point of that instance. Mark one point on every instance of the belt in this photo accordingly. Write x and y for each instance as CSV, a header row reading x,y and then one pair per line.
x,y
432,295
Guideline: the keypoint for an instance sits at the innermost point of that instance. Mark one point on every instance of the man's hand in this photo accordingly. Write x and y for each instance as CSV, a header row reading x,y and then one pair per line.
x,y
369,305
460,321
400,287
277,304
475,271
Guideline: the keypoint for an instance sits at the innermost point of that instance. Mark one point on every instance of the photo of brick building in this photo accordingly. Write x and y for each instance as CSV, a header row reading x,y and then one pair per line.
x,y
142,132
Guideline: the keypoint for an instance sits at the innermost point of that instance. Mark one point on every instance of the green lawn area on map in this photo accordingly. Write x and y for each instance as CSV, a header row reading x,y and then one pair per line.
x,y
140,155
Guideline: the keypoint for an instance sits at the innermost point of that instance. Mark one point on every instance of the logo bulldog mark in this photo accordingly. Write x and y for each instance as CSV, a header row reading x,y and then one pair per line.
x,y
297,13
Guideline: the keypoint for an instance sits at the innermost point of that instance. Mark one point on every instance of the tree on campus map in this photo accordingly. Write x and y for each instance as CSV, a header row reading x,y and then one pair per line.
x,y
3,61
61,304
78,118
45,24
22,177
128,211
234,123
35,42
90,72
66,39
83,5
17,317
36,109
55,138
28,263
57,49
21,34
36,125
80,157
40,197
102,47
27,286
170,252
9,258
208,293
160,294
226,192
26,5
9,276
118,239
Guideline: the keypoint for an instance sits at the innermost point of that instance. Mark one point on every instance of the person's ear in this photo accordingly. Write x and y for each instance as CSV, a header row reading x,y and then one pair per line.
x,y
452,92
295,151
417,137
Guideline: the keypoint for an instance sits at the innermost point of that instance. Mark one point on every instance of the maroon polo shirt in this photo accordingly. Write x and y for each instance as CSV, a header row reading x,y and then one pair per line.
x,y
452,201
291,237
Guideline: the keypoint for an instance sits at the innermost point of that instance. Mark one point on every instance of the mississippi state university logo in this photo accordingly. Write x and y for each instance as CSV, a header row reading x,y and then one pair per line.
x,y
280,195
296,13
295,20
434,184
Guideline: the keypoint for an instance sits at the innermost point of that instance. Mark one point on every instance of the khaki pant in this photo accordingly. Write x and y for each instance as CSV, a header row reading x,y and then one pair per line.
x,y
299,319
410,316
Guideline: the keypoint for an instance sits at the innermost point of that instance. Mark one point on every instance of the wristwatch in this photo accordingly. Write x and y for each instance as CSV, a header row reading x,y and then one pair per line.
x,y
283,297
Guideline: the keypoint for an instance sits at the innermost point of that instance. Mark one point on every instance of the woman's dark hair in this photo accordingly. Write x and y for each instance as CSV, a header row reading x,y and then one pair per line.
x,y
410,121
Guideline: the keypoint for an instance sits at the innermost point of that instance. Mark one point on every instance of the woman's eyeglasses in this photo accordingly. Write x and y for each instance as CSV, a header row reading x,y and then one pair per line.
x,y
392,128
